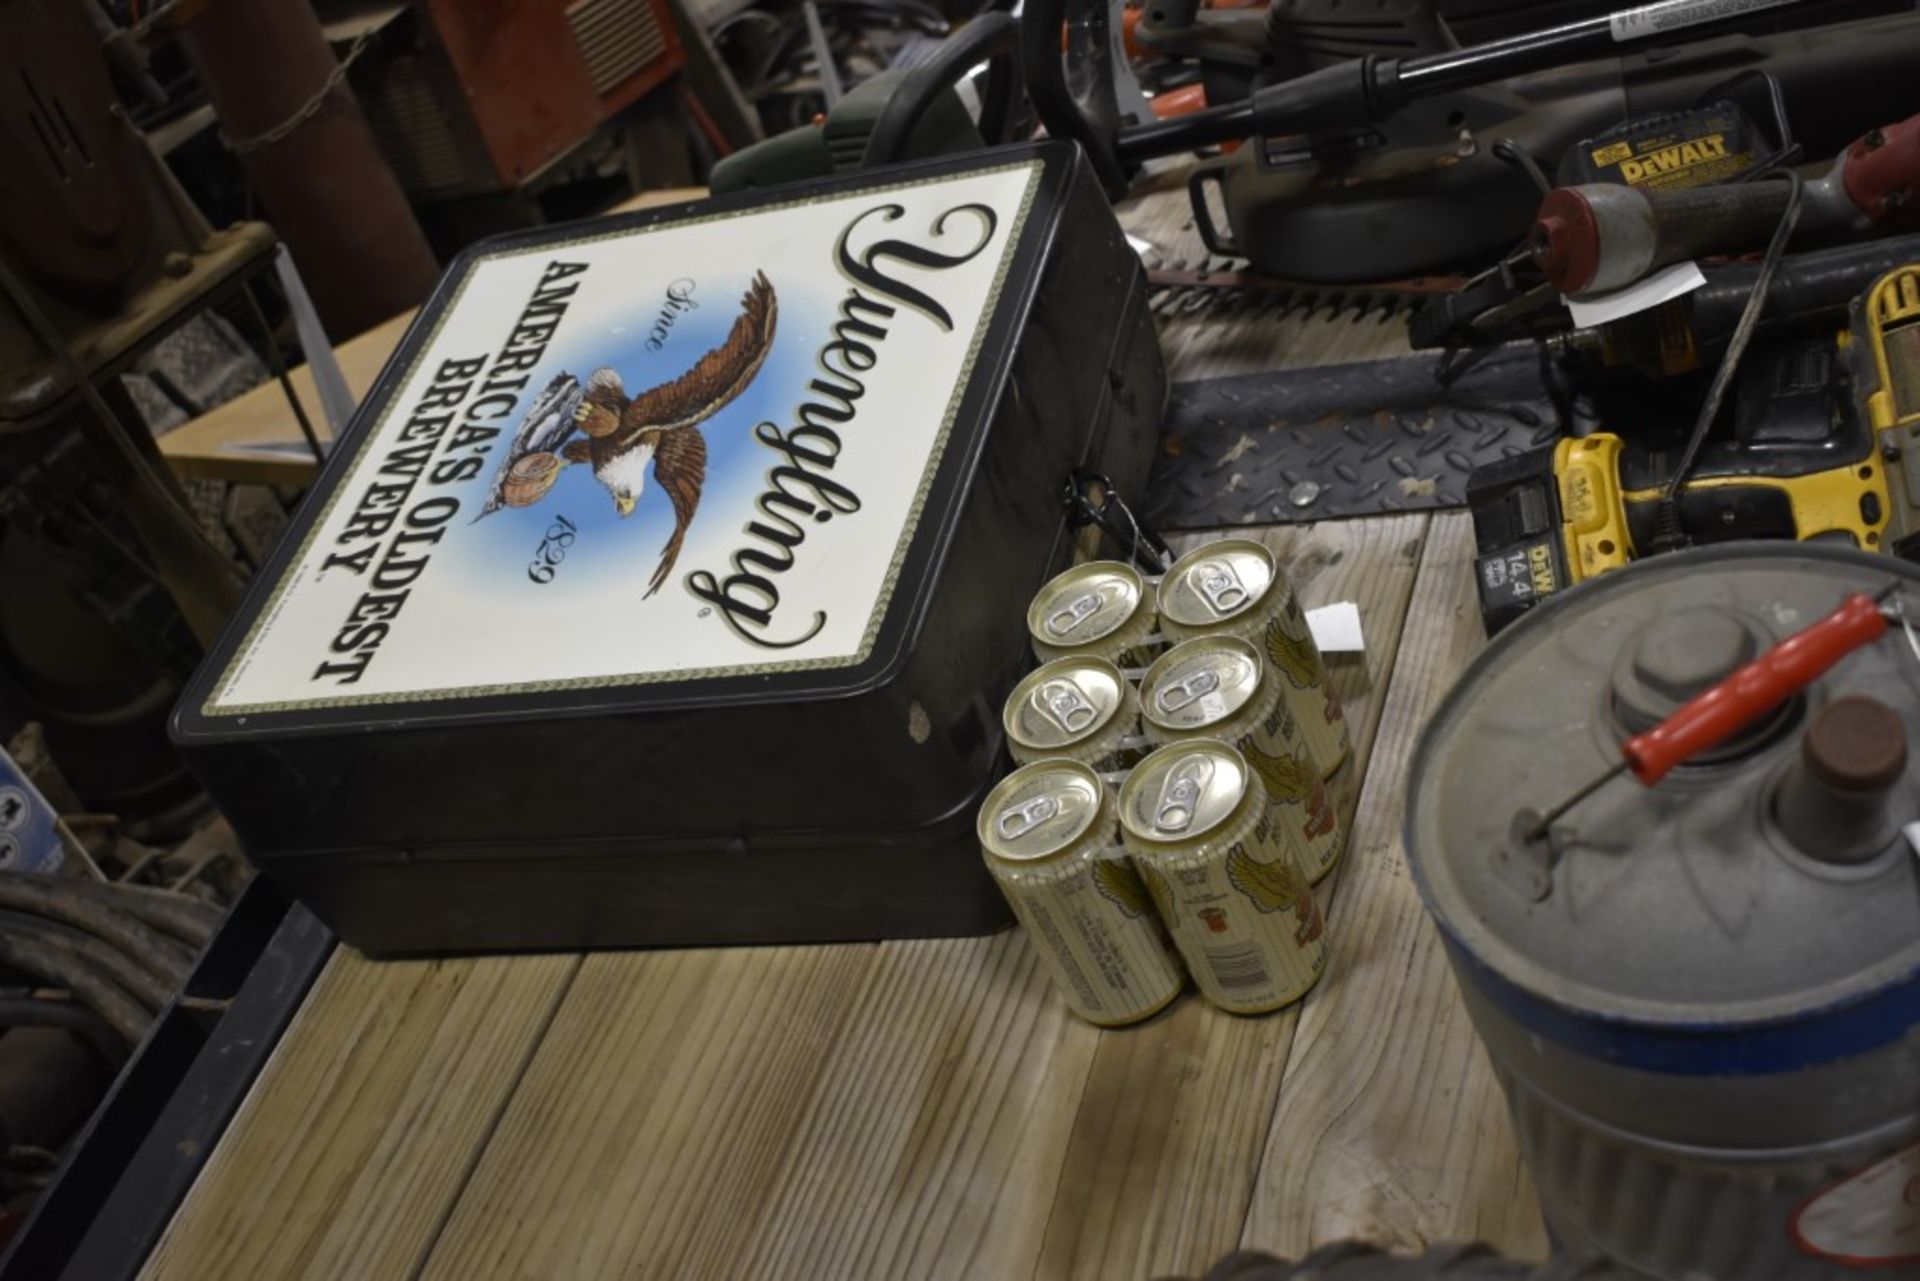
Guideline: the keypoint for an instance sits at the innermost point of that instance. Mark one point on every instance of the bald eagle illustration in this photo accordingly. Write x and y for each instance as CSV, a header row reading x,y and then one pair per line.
x,y
618,435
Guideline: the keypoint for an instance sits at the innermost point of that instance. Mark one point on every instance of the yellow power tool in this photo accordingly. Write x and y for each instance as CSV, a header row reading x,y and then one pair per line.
x,y
1814,422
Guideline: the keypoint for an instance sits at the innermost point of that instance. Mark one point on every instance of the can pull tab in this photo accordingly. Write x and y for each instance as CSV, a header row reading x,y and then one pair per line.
x,y
1069,706
1177,695
1073,613
1017,820
1216,581
1180,794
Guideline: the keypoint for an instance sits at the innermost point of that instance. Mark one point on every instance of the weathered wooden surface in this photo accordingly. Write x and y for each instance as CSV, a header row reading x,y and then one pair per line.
x,y
989,1134
363,1128
1389,1126
655,1113
910,1108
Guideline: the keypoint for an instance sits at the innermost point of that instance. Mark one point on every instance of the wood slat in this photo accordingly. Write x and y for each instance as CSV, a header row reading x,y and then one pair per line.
x,y
969,1126
654,1116
1390,1126
944,1108
349,1149
1174,1114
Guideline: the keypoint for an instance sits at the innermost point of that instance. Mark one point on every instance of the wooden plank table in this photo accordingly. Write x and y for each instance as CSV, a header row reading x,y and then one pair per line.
x,y
923,1108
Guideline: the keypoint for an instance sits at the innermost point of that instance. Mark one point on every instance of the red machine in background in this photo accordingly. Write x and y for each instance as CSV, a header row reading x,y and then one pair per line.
x,y
468,97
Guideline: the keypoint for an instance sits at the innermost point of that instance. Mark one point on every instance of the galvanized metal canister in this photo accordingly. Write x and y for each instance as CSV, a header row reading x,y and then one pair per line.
x,y
1194,816
1052,842
1077,709
1233,587
1101,609
1704,1001
1218,687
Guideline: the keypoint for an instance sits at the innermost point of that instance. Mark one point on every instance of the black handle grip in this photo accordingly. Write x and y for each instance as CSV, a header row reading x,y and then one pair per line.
x,y
1724,218
1213,171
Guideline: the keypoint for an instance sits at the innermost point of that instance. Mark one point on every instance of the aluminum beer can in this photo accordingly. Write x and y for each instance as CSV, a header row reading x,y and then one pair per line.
x,y
1234,588
1102,609
1218,687
1194,817
1050,839
1079,709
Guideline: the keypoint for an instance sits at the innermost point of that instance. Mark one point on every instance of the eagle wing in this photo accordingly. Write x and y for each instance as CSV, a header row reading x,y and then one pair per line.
x,y
1276,885
680,468
1290,646
548,422
1158,890
1116,880
1272,886
1289,778
717,377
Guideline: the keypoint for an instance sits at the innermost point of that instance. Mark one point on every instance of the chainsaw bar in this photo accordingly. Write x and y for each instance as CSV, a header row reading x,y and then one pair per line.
x,y
1177,290
1414,287
1347,440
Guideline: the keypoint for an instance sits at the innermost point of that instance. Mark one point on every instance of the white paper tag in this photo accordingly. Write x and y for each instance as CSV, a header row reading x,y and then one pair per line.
x,y
1649,291
1868,1219
1336,628
1652,19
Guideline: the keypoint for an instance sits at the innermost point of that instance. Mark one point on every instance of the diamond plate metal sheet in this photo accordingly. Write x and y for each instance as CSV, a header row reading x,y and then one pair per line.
x,y
1346,440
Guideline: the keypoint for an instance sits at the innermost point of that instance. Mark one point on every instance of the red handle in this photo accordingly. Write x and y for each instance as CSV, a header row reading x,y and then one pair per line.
x,y
1714,715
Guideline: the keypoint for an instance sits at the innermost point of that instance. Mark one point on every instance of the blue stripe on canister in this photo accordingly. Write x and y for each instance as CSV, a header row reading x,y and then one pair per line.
x,y
1824,1035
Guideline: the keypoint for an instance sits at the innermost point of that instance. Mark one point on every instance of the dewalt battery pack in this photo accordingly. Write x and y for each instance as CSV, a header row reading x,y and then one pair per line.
x,y
667,585
1800,460
1671,149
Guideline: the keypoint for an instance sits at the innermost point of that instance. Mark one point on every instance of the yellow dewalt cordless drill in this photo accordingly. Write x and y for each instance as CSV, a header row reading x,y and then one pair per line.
x,y
1815,422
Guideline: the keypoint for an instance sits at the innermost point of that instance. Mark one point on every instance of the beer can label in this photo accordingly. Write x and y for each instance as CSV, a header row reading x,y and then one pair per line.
x,y
1047,831
1244,917
1096,932
1289,647
1298,798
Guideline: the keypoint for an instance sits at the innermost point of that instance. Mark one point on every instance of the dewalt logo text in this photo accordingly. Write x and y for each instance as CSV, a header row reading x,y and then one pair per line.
x,y
1540,568
1670,159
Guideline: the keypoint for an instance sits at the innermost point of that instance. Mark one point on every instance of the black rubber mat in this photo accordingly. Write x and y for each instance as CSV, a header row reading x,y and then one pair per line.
x,y
1346,440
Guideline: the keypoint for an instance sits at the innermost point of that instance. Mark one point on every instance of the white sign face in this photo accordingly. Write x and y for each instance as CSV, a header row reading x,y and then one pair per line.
x,y
697,449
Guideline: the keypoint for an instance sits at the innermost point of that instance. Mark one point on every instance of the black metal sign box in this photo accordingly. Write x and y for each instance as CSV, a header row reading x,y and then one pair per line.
x,y
666,587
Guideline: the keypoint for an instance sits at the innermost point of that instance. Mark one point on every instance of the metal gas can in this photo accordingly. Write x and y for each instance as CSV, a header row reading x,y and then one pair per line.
x,y
1704,1007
